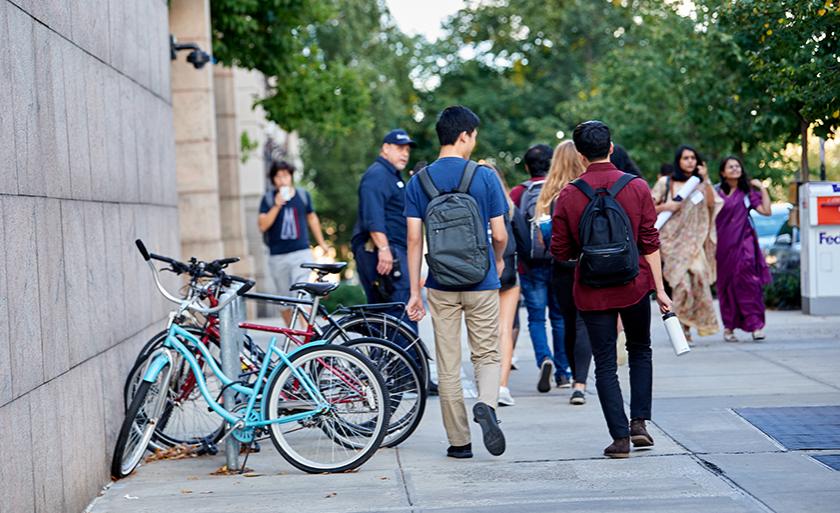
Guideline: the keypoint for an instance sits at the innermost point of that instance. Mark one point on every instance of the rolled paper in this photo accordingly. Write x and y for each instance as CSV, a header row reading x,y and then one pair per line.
x,y
684,192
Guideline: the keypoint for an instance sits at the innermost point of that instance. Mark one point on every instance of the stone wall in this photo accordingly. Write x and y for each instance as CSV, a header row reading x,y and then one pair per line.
x,y
87,164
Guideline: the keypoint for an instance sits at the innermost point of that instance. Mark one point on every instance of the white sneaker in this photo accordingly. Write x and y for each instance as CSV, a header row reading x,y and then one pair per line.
x,y
505,398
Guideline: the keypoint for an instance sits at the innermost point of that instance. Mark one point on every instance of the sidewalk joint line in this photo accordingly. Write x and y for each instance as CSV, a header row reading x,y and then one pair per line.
x,y
403,479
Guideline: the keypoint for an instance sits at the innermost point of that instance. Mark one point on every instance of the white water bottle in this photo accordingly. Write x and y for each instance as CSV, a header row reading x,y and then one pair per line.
x,y
675,333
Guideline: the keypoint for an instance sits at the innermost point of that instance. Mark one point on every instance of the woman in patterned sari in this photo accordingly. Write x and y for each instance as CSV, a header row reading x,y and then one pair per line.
x,y
688,242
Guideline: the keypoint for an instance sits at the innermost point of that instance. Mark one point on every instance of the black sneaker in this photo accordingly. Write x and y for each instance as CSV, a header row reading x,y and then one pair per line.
x,y
577,398
546,370
562,381
433,388
460,451
494,439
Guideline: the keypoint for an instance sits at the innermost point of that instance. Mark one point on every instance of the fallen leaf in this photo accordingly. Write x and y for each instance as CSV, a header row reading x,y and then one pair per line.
x,y
131,497
331,494
185,491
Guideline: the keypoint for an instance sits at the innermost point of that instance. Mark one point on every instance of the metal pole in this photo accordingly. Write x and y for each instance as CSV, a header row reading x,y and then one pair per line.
x,y
230,340
822,159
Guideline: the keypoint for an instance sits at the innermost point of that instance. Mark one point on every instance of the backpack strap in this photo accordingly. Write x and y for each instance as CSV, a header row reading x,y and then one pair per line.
x,y
304,196
426,183
620,184
583,187
467,177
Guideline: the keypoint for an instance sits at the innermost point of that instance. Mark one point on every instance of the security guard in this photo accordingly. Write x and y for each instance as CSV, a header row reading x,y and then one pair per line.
x,y
379,237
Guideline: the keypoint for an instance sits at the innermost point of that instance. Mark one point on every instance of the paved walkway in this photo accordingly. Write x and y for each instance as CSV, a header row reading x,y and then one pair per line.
x,y
707,457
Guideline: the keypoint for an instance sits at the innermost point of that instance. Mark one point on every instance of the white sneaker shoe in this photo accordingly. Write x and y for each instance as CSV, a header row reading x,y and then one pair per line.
x,y
505,398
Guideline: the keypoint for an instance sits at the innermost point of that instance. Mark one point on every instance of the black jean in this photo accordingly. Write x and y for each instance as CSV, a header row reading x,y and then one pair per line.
x,y
602,334
575,341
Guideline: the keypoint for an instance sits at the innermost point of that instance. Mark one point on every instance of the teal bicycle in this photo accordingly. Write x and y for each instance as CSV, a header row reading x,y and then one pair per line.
x,y
325,407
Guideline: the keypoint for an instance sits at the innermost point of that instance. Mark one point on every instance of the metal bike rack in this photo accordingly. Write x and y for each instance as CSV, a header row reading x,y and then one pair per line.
x,y
231,346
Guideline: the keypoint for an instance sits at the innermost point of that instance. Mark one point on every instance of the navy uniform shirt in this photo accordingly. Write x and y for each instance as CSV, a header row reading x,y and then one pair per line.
x,y
381,204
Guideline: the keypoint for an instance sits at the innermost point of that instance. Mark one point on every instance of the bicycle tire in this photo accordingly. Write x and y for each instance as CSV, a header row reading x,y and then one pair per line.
x,y
129,451
406,390
284,394
383,326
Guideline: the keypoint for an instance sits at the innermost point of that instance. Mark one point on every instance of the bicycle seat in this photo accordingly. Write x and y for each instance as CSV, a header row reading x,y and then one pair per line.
x,y
315,289
326,268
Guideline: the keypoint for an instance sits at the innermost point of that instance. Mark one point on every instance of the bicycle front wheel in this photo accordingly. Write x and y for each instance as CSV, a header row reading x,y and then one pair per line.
x,y
344,431
139,425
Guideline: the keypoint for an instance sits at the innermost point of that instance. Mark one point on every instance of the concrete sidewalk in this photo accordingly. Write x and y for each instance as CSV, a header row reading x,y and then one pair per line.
x,y
707,457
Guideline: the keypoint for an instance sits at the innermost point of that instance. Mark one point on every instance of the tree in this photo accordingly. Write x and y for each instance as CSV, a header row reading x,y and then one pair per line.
x,y
279,39
791,49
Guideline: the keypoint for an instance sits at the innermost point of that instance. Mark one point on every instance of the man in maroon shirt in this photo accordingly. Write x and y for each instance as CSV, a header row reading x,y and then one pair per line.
x,y
600,307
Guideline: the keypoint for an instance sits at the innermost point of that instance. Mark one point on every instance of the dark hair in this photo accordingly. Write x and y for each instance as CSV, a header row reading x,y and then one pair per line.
x,y
454,120
666,170
592,139
538,159
277,166
621,160
679,175
743,180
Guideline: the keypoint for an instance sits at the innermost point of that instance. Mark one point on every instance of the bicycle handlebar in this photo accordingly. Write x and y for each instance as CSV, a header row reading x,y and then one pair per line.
x,y
197,270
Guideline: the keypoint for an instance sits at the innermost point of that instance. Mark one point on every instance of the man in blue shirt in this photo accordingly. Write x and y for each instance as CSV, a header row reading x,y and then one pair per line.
x,y
379,244
457,128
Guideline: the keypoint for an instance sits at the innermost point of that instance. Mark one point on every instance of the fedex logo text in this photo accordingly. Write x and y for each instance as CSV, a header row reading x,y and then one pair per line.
x,y
829,239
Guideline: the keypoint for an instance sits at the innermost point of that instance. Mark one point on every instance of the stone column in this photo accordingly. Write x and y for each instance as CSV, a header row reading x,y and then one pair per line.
x,y
194,113
230,195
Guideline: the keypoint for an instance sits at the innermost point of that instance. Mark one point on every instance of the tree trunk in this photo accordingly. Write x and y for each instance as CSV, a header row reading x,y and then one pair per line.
x,y
803,129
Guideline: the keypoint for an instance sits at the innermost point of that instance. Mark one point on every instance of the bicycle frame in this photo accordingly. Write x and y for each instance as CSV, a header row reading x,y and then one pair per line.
x,y
163,359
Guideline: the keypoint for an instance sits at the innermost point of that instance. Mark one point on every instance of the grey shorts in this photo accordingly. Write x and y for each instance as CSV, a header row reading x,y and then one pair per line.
x,y
285,270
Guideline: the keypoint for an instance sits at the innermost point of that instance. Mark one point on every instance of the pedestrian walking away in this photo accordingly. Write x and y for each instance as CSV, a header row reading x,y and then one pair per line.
x,y
566,167
535,277
742,271
464,270
286,212
517,244
602,210
688,242
379,238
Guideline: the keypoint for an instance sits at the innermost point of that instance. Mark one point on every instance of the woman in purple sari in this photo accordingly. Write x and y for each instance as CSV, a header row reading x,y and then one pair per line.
x,y
742,271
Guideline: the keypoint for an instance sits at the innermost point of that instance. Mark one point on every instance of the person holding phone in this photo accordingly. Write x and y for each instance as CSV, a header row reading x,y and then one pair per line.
x,y
286,217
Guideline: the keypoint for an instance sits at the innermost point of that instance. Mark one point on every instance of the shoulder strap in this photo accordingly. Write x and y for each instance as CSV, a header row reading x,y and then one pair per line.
x,y
426,183
667,189
532,184
467,177
583,187
304,196
269,197
620,184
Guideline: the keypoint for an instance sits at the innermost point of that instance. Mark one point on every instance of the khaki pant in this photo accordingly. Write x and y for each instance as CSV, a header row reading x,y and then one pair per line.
x,y
481,314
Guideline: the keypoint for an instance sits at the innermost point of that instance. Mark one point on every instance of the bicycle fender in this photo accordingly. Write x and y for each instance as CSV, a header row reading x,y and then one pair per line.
x,y
279,367
160,360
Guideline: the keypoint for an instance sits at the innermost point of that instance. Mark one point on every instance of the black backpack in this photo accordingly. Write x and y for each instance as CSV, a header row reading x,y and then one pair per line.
x,y
540,253
455,232
609,254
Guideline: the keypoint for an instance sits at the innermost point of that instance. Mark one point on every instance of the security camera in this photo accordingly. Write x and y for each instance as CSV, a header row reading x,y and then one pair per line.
x,y
197,57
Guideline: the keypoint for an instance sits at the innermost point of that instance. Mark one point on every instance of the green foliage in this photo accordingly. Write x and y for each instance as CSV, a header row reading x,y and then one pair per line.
x,y
279,38
784,292
790,48
246,146
345,295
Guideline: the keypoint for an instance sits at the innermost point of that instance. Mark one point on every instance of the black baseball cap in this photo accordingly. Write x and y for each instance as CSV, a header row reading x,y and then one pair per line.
x,y
398,136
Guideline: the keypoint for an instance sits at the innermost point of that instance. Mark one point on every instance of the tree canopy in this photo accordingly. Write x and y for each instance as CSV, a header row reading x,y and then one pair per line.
x,y
728,77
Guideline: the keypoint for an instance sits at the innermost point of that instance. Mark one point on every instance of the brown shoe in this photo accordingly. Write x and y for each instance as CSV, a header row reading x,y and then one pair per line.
x,y
620,448
639,434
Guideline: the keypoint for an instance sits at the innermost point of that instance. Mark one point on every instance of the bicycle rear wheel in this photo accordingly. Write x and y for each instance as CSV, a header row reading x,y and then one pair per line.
x,y
326,441
406,391
386,327
139,424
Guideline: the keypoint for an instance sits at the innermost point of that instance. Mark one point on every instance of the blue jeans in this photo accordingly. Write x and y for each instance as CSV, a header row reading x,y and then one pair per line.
x,y
366,267
535,291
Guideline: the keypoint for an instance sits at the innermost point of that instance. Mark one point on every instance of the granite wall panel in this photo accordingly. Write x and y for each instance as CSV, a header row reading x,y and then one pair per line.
x,y
16,481
98,302
75,269
52,160
95,100
22,289
130,185
77,123
89,25
5,348
46,452
8,169
52,286
24,105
